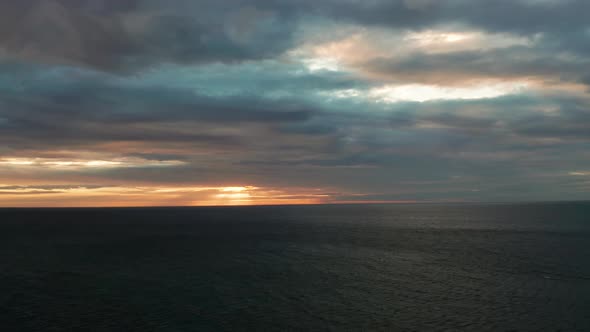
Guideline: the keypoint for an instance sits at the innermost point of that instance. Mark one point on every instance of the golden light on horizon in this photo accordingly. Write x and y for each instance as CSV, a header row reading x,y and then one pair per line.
x,y
116,196
235,195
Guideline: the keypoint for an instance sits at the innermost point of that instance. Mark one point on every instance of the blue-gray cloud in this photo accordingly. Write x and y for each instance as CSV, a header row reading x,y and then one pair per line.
x,y
223,86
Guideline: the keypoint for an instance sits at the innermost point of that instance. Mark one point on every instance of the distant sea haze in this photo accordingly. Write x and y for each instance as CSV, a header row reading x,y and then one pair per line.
x,y
492,267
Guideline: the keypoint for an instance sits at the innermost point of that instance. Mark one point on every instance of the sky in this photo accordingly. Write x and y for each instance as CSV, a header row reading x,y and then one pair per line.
x,y
244,102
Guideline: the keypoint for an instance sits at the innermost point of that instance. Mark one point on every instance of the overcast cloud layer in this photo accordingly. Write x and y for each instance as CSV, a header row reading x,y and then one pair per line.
x,y
178,102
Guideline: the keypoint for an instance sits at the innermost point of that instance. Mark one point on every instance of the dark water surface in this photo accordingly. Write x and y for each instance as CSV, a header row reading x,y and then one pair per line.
x,y
355,267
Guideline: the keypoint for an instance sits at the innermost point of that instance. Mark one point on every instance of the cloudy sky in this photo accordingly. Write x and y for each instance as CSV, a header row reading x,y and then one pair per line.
x,y
180,102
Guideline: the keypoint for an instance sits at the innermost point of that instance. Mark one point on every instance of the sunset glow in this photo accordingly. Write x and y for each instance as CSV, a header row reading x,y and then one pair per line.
x,y
58,196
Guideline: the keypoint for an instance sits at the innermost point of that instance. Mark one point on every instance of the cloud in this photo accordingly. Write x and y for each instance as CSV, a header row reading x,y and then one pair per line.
x,y
301,100
126,35
65,107
459,67
129,35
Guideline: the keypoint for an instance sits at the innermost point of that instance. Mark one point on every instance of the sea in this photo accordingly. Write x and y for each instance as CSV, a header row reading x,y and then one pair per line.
x,y
414,267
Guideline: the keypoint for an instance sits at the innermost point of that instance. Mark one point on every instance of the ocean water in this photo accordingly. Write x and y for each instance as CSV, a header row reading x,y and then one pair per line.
x,y
495,267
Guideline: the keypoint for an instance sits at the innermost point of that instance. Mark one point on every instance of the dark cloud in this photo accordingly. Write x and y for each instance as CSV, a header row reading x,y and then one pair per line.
x,y
71,109
571,125
459,67
127,35
519,16
123,35
226,88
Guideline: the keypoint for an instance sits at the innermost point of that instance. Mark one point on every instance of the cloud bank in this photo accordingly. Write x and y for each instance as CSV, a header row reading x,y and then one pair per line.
x,y
296,101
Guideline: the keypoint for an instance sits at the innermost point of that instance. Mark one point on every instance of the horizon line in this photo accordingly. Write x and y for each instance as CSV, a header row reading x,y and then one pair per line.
x,y
290,205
